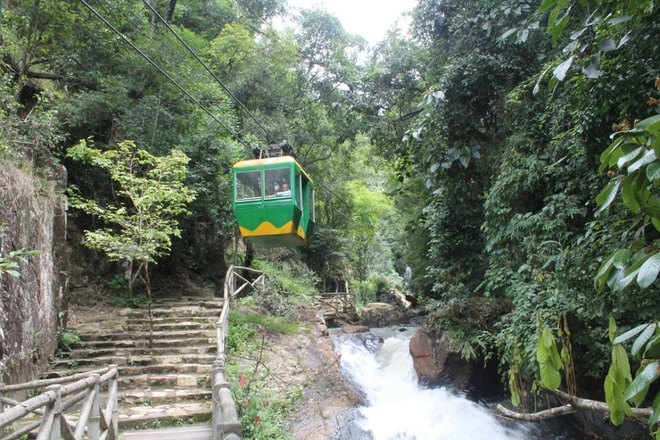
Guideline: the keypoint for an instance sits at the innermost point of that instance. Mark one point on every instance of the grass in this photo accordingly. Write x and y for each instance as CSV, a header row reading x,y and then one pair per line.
x,y
261,410
269,322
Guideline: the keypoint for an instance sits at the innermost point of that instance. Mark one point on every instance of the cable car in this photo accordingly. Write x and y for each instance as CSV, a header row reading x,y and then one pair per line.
x,y
273,198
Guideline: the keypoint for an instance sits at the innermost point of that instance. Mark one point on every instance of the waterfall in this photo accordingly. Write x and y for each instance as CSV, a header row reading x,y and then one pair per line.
x,y
395,407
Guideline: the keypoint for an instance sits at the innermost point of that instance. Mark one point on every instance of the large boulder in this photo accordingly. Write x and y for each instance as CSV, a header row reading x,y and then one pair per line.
x,y
383,315
438,361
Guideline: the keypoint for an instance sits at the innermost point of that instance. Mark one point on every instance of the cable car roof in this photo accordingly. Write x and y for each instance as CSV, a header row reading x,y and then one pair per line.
x,y
272,161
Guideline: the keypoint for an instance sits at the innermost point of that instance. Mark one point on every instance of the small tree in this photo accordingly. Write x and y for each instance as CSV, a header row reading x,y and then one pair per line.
x,y
149,197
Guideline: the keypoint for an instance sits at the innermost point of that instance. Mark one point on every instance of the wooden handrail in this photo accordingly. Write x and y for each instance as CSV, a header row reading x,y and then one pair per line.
x,y
50,405
225,423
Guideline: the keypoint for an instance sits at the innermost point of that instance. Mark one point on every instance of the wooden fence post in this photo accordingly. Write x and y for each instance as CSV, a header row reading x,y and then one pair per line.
x,y
111,409
50,424
94,424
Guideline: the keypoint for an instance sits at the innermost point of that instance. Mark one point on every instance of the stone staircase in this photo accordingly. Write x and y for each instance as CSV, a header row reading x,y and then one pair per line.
x,y
165,384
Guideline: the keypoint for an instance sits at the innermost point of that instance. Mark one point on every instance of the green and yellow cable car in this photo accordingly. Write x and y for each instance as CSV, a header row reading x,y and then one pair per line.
x,y
273,201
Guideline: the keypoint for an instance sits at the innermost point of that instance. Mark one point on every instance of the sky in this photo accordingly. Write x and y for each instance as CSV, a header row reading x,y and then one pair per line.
x,y
369,18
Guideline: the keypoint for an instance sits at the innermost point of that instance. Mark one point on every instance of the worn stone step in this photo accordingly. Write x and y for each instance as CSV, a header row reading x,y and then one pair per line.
x,y
88,353
145,381
103,361
209,303
164,415
139,343
136,370
170,326
177,311
141,397
102,335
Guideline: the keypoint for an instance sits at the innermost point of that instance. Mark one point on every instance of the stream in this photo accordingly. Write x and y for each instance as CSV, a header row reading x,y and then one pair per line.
x,y
395,407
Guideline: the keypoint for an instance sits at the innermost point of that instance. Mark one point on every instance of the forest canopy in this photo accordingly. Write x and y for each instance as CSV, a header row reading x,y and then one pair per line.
x,y
469,148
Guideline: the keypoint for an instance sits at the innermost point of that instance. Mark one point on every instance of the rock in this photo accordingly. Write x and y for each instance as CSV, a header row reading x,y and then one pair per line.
x,y
371,342
437,362
383,315
354,329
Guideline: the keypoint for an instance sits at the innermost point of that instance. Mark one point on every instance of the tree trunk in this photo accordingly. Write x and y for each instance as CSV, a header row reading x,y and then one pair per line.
x,y
169,13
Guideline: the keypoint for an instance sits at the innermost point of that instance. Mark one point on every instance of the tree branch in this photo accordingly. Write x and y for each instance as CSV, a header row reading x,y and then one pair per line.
x,y
575,403
534,417
43,75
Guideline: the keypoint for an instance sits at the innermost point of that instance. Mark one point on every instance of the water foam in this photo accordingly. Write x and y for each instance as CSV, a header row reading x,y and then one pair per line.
x,y
396,408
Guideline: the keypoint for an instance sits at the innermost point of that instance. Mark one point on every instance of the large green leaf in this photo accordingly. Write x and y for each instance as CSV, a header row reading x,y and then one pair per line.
x,y
652,350
655,417
645,159
629,193
561,70
630,334
629,157
546,5
652,124
548,359
550,377
608,195
642,339
653,171
607,154
648,273
603,274
637,390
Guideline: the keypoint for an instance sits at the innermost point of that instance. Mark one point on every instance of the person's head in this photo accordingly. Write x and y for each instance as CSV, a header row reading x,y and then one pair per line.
x,y
285,186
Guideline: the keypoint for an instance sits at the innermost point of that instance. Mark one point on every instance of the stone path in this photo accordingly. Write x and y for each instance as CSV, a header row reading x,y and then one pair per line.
x,y
201,432
167,384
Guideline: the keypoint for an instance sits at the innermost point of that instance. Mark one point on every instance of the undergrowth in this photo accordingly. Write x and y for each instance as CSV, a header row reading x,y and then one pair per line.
x,y
261,409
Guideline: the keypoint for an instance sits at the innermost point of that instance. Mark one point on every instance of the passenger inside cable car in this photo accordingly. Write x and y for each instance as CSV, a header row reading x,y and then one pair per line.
x,y
273,200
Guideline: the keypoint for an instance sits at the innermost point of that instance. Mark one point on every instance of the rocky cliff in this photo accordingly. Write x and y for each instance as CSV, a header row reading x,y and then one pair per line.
x,y
32,218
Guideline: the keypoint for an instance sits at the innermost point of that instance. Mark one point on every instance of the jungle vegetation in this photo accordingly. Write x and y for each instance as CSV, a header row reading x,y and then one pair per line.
x,y
469,148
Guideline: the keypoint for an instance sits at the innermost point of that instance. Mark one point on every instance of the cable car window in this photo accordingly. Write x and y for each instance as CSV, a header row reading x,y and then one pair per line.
x,y
248,185
299,193
278,182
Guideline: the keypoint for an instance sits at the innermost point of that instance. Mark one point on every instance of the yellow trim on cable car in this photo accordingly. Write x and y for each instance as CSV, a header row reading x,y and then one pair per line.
x,y
267,228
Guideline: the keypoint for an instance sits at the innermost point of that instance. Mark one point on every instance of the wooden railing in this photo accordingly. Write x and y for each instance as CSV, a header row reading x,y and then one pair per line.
x,y
60,395
337,303
226,425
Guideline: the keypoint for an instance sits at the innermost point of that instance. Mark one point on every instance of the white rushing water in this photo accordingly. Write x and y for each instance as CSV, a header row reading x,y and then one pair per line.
x,y
397,408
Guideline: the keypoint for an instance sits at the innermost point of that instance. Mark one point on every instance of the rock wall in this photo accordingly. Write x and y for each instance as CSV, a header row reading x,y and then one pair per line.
x,y
438,362
32,217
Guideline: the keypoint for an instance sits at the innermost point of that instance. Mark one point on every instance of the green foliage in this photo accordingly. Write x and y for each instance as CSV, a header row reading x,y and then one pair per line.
x,y
132,301
296,280
149,197
67,341
633,152
260,409
9,263
549,360
271,323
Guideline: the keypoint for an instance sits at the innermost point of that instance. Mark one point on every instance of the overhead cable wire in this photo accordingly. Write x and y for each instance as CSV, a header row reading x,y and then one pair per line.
x,y
175,56
208,69
236,136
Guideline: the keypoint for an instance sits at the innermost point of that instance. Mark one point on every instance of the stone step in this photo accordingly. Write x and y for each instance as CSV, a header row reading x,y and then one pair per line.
x,y
129,352
103,335
176,311
141,397
208,301
104,361
142,417
160,381
170,326
139,343
136,370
